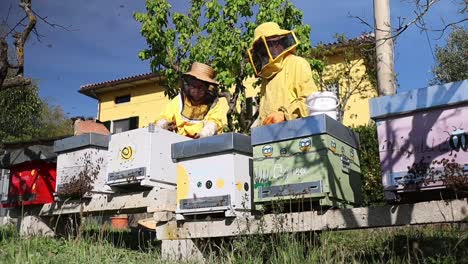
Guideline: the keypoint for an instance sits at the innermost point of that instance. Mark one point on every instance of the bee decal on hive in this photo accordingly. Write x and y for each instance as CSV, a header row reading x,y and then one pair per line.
x,y
458,139
267,150
305,144
127,153
333,145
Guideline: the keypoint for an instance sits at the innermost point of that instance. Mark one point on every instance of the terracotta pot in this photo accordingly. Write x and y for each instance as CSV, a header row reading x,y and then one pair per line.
x,y
119,222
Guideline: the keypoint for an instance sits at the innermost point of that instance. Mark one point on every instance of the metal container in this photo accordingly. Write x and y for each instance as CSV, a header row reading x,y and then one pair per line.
x,y
81,165
142,158
213,175
423,140
314,159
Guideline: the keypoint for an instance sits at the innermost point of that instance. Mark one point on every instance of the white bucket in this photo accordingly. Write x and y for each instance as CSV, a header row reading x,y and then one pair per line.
x,y
322,103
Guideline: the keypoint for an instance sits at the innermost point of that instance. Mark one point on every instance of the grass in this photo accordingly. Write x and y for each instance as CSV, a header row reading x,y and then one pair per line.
x,y
442,244
423,244
102,247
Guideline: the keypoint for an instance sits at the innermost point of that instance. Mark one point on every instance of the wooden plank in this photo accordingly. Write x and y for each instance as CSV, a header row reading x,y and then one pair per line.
x,y
150,201
366,217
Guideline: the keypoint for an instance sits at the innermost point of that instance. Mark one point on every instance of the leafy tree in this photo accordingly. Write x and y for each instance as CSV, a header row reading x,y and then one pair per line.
x,y
452,60
25,116
370,165
20,108
53,122
218,33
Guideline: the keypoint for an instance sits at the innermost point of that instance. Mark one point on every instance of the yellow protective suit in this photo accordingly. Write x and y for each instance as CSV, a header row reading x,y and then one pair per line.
x,y
191,127
288,89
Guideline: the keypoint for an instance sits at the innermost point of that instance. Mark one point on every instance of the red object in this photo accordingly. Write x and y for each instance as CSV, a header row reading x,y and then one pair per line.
x,y
119,222
31,183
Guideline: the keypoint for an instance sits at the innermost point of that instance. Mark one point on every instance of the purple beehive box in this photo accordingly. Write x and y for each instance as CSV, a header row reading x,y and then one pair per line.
x,y
422,134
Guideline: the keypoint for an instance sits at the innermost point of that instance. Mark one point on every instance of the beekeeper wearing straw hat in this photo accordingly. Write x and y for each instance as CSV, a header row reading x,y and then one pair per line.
x,y
195,112
286,78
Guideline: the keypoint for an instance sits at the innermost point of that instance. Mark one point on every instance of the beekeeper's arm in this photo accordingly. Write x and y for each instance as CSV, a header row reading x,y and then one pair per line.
x,y
213,124
166,120
302,86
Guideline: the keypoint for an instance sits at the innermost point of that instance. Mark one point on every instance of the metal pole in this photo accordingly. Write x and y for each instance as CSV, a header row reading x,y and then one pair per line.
x,y
384,48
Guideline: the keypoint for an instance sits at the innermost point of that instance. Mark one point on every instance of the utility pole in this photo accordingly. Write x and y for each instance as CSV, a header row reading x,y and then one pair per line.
x,y
384,48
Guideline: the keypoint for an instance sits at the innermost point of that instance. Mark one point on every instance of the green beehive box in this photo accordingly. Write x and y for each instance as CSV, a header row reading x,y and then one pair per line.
x,y
314,159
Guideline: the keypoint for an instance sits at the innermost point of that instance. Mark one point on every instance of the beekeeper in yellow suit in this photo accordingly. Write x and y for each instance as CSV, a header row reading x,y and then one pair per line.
x,y
286,78
195,112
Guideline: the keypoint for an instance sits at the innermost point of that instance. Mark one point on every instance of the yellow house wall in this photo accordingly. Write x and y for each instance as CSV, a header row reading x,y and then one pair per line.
x,y
146,101
357,109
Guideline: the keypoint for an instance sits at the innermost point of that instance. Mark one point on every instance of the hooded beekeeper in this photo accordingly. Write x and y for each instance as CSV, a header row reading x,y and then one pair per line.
x,y
286,78
195,112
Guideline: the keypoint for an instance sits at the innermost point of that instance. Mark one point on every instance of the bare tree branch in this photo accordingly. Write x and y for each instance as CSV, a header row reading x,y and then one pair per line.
x,y
422,8
21,38
17,24
442,30
15,82
418,17
38,36
361,20
8,13
44,19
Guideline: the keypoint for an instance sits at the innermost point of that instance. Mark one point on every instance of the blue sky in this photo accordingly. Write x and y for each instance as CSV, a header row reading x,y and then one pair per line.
x,y
104,42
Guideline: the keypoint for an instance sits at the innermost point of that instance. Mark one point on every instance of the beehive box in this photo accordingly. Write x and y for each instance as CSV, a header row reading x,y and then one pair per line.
x,y
313,158
423,140
142,158
81,165
213,175
29,174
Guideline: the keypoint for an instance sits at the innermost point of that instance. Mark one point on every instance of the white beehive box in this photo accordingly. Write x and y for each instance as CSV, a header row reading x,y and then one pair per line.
x,y
142,158
214,175
82,155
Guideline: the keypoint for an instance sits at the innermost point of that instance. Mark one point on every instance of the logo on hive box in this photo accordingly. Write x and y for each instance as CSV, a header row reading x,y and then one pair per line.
x,y
127,153
267,150
458,139
304,144
333,145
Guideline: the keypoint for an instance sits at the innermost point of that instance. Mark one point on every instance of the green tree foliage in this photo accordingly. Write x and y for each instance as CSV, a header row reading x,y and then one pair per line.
x,y
53,122
214,32
370,165
452,60
26,117
20,109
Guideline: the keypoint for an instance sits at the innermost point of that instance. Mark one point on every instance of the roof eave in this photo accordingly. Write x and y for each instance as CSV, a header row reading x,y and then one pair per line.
x,y
94,89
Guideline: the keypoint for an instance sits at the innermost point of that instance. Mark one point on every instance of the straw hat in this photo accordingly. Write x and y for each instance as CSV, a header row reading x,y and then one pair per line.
x,y
202,72
268,29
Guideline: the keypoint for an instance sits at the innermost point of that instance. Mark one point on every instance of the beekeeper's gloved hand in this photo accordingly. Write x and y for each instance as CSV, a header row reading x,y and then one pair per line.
x,y
209,129
165,124
273,118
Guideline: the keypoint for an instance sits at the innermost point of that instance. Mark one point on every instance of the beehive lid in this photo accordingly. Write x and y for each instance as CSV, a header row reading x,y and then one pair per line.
x,y
23,154
436,96
303,127
81,141
229,142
